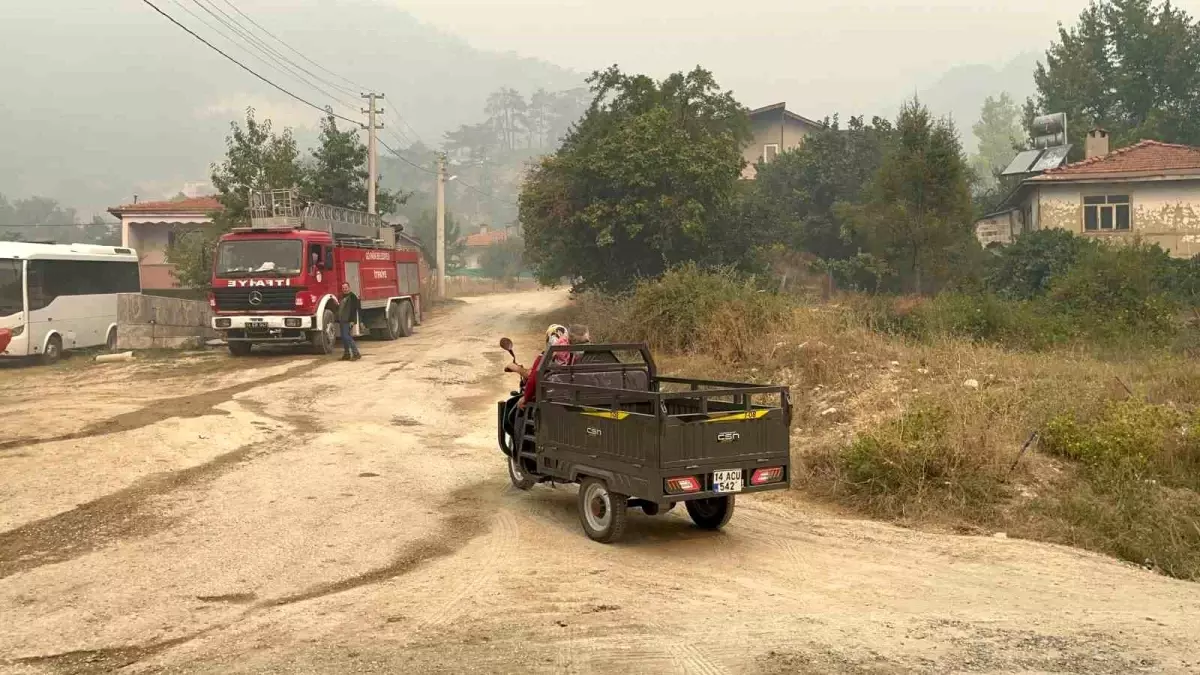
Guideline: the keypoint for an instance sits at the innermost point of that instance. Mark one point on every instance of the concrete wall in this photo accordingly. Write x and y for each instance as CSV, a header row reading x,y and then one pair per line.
x,y
767,130
1166,213
153,322
1000,228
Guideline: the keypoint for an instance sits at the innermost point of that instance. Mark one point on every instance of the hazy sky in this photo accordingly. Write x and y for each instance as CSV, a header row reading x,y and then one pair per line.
x,y
104,98
849,53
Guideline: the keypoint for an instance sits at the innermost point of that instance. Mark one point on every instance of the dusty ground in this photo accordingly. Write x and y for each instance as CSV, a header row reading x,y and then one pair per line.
x,y
289,514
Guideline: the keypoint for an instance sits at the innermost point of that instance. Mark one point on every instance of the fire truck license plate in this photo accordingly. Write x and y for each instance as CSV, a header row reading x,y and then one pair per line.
x,y
256,323
727,481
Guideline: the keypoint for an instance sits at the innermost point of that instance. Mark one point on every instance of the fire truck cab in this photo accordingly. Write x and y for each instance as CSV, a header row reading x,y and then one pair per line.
x,y
279,280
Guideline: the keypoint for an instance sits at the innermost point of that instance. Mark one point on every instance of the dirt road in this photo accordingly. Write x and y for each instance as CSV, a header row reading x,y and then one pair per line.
x,y
290,514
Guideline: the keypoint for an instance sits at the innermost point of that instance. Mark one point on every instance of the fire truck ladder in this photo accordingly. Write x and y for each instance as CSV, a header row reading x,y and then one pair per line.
x,y
287,210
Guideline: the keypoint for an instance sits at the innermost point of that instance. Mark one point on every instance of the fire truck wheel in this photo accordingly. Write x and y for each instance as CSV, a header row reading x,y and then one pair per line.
x,y
406,319
392,329
323,340
240,348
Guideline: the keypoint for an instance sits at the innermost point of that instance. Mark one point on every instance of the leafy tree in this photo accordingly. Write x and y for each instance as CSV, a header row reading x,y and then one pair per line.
x,y
256,158
503,260
44,219
507,114
917,216
1131,66
424,229
999,132
798,192
338,173
643,182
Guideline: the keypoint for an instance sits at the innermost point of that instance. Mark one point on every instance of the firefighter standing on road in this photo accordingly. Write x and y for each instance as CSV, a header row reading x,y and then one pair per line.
x,y
348,309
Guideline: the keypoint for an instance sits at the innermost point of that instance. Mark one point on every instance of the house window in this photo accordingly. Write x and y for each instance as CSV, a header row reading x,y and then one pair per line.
x,y
1109,213
770,152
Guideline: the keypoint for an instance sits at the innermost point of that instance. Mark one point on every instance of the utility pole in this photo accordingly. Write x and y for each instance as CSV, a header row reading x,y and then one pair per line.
x,y
441,224
372,151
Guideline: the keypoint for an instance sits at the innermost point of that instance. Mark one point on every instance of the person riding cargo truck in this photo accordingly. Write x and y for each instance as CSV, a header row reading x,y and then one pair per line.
x,y
278,281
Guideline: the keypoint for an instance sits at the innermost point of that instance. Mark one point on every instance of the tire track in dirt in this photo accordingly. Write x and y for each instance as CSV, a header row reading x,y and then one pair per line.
x,y
106,659
185,407
466,521
505,534
124,514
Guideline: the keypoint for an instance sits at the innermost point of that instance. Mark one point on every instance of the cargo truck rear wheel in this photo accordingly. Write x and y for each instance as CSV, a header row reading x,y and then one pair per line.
x,y
712,513
323,340
601,512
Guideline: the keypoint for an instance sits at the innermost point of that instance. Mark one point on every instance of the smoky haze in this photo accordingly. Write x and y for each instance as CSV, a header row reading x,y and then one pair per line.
x,y
105,100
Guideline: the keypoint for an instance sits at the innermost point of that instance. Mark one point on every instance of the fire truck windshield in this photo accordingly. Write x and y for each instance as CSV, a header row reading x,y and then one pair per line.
x,y
260,257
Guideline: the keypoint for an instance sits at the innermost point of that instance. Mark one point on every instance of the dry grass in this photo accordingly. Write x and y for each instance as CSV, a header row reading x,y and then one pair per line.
x,y
931,432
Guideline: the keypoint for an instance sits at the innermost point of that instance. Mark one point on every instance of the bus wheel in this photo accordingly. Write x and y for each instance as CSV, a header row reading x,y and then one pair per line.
x,y
241,348
110,343
54,350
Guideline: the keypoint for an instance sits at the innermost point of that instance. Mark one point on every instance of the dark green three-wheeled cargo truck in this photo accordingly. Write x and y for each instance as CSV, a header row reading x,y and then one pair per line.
x,y
606,420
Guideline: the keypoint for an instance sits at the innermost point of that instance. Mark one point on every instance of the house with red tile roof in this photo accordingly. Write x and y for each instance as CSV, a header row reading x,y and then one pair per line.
x,y
150,228
479,242
1149,190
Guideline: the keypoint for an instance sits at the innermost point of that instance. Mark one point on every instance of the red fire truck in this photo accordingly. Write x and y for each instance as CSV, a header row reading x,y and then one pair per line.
x,y
278,281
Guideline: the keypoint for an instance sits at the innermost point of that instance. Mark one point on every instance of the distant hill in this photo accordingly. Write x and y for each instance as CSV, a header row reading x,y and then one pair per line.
x,y
99,101
960,91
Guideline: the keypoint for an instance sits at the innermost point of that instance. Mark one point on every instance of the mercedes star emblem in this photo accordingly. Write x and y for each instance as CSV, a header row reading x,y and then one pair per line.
x,y
255,298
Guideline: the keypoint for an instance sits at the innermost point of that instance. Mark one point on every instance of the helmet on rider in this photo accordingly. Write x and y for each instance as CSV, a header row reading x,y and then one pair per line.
x,y
557,335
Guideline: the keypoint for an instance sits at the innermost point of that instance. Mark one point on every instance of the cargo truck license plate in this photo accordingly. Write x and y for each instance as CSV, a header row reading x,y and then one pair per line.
x,y
727,481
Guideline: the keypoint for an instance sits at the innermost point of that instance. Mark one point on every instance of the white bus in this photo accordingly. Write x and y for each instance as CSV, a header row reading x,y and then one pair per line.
x,y
55,298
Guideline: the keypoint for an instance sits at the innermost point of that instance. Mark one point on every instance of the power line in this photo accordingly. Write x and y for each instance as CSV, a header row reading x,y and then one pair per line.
x,y
431,172
33,227
287,64
352,83
244,67
406,160
249,47
487,194
403,137
409,127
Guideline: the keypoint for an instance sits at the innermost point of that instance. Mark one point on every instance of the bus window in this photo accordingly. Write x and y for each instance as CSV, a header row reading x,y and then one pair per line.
x,y
11,297
39,294
50,279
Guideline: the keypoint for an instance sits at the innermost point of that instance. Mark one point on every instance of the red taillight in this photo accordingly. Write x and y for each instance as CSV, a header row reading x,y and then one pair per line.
x,y
683,484
765,476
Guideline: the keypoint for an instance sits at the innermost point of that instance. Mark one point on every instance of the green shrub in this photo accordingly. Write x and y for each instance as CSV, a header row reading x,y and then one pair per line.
x,y
983,318
689,309
914,463
1118,291
1141,440
1026,268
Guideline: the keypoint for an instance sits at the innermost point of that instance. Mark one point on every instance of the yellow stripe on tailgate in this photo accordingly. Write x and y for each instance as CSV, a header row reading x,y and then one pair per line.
x,y
736,417
608,414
